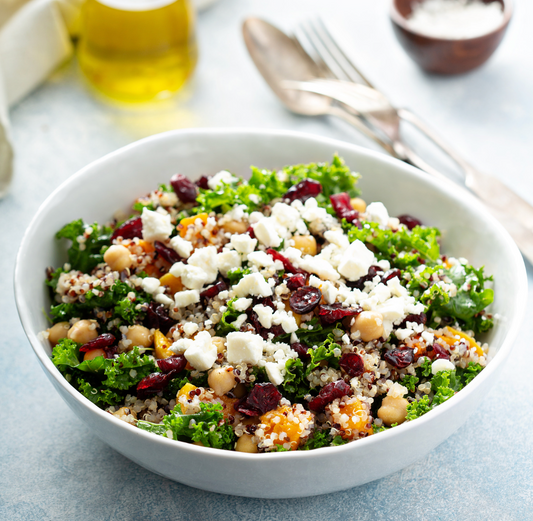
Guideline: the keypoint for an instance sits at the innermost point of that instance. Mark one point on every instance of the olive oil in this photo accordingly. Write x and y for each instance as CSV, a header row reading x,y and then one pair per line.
x,y
137,50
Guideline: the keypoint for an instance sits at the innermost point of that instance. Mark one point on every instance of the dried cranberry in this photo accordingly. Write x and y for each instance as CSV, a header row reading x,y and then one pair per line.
x,y
214,290
352,364
130,229
301,349
110,351
360,283
305,299
399,358
157,317
409,221
154,383
287,264
388,275
166,253
295,281
343,207
174,363
203,182
100,342
303,190
250,232
329,314
440,352
185,189
417,319
328,393
262,398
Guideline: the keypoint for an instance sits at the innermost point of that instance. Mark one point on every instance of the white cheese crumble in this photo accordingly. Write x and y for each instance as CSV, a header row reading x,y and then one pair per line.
x,y
242,304
181,246
441,365
202,353
186,298
221,177
150,284
244,348
253,284
156,226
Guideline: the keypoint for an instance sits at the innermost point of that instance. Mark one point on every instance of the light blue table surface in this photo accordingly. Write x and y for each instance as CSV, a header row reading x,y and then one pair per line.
x,y
53,468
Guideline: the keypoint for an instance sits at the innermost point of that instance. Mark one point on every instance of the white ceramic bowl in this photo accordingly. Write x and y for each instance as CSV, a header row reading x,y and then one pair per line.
x,y
114,181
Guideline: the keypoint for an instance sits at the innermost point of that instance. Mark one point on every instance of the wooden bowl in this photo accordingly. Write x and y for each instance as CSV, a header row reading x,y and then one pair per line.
x,y
446,56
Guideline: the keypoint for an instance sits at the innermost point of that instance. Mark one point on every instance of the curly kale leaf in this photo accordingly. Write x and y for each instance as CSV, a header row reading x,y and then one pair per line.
x,y
99,395
314,335
294,386
467,374
207,427
410,381
229,316
325,351
226,196
418,408
128,369
236,274
86,255
65,354
115,299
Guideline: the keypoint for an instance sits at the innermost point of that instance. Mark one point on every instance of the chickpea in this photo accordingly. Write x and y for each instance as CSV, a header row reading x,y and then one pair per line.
x,y
57,332
246,444
235,227
221,380
393,410
369,324
83,331
118,257
358,204
93,353
220,343
305,243
139,336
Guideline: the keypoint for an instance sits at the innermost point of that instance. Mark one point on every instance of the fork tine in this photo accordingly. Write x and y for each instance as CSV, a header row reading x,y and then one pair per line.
x,y
336,53
301,37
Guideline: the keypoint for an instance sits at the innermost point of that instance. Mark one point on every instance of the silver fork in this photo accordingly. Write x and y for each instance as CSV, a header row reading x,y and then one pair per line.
x,y
515,213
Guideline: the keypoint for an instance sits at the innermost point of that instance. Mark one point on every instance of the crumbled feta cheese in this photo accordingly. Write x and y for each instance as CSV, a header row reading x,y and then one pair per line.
x,y
206,258
150,284
186,298
156,227
192,277
190,328
441,365
180,346
376,212
202,353
428,337
182,247
244,348
253,284
293,254
264,314
286,320
221,177
164,299
228,260
356,260
338,238
242,304
397,390
266,234
319,266
243,243
274,373
239,321
260,259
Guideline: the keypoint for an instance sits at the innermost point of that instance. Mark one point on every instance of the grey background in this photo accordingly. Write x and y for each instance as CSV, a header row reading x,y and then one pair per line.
x,y
53,468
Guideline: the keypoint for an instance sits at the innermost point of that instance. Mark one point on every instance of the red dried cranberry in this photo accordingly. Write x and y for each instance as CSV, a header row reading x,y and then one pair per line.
x,y
174,363
110,351
360,283
287,264
262,398
301,349
343,207
250,232
417,319
399,358
305,299
303,190
295,281
352,364
409,221
185,189
329,314
328,393
166,253
154,383
130,229
388,275
157,317
440,352
214,290
100,342
203,182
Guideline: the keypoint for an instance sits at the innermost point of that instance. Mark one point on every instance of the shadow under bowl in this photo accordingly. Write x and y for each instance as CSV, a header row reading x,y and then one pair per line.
x,y
441,55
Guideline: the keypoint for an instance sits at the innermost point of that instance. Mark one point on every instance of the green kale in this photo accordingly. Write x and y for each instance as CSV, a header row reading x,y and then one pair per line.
x,y
410,382
53,278
225,197
206,427
425,368
236,274
418,408
467,374
128,369
317,440
379,428
314,335
65,354
139,206
269,184
295,385
229,316
325,351
338,440
100,396
85,258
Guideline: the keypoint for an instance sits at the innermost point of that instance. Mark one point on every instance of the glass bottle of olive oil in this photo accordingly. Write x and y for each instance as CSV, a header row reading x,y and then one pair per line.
x,y
137,50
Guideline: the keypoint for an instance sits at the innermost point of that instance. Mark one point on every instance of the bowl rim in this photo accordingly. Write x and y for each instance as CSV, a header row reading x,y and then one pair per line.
x,y
398,19
448,187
